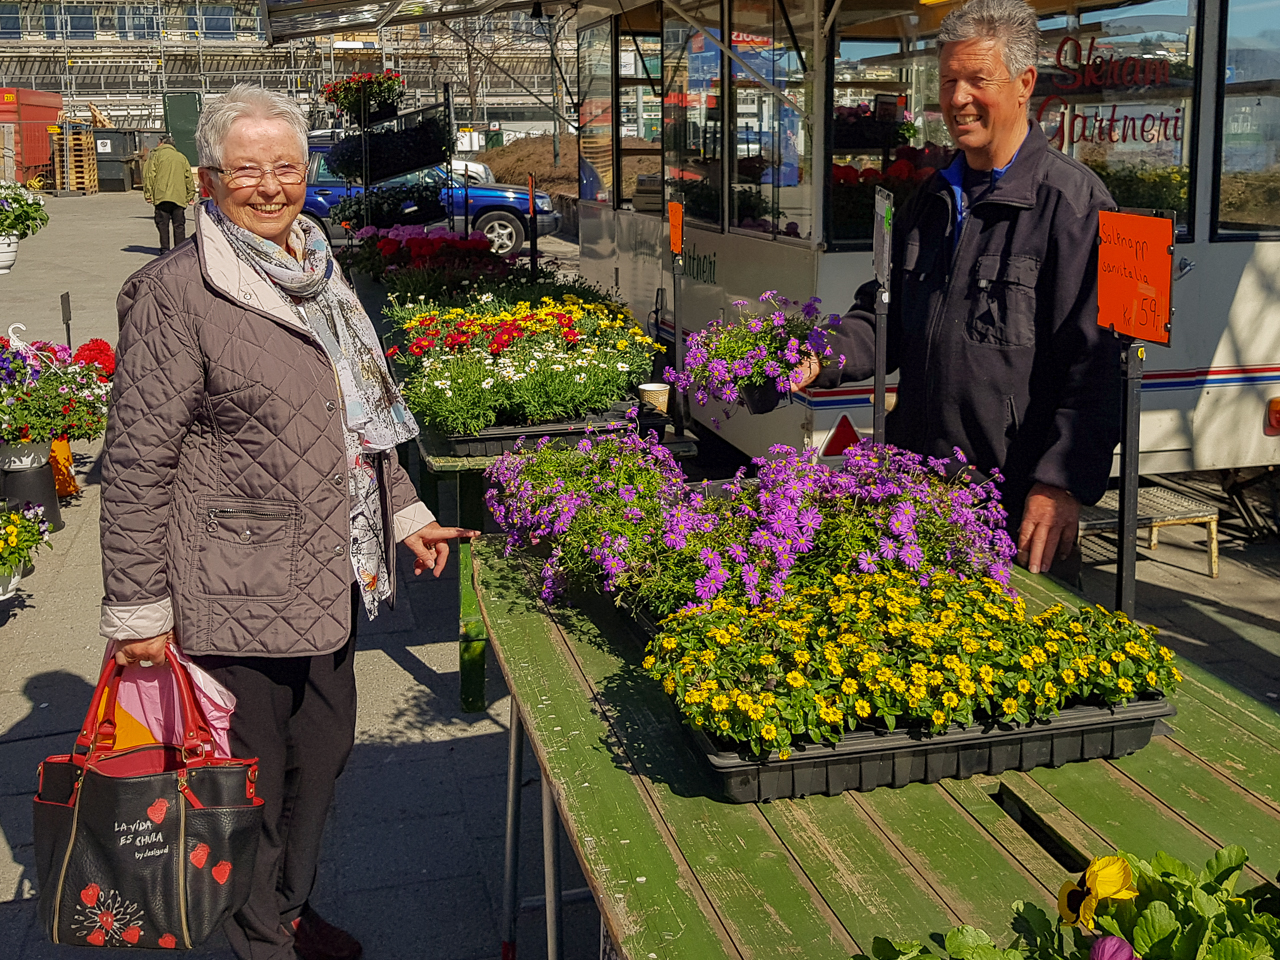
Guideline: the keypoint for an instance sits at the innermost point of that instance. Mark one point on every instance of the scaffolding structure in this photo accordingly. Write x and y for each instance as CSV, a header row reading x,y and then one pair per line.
x,y
122,58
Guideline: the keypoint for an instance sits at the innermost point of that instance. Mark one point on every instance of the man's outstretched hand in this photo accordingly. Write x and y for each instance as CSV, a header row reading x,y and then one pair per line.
x,y
1050,525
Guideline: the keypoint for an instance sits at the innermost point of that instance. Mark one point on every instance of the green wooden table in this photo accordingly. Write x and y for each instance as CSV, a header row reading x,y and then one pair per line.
x,y
678,874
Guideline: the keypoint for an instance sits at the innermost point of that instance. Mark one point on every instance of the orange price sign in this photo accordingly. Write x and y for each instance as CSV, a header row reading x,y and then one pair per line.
x,y
675,216
1135,275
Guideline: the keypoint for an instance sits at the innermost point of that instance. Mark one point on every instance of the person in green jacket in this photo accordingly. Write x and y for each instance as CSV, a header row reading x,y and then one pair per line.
x,y
167,184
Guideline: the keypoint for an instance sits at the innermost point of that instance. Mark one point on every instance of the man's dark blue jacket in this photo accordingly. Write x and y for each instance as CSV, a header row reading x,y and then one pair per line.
x,y
994,334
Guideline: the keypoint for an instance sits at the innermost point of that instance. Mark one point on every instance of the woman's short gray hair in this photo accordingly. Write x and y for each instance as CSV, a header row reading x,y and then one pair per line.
x,y
241,102
1012,22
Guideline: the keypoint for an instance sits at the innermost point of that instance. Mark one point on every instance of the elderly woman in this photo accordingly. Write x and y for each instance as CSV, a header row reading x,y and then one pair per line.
x,y
251,496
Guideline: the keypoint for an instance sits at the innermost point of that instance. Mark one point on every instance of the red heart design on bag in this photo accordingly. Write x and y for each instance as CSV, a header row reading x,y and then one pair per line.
x,y
131,934
168,941
199,855
98,937
221,872
106,920
89,895
157,810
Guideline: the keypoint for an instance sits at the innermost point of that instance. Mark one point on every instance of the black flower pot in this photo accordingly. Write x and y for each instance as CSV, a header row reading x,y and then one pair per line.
x,y
759,399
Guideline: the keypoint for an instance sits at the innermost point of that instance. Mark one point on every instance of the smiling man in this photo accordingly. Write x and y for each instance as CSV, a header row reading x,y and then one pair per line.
x,y
993,296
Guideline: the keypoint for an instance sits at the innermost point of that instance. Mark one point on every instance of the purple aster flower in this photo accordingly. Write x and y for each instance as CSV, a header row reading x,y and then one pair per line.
x,y
737,553
911,555
867,561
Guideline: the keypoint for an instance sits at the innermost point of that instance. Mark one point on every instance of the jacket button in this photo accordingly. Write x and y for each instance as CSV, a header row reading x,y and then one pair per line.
x,y
338,551
330,406
246,537
248,296
338,479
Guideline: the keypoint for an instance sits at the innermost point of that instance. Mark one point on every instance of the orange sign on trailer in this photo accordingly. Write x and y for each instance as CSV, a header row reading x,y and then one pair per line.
x,y
1135,275
675,217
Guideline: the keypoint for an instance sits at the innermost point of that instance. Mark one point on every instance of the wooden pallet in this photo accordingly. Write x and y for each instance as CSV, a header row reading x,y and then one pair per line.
x,y
75,162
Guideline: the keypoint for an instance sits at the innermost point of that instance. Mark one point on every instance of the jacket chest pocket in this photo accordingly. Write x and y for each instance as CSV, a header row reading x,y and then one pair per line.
x,y
1003,299
246,548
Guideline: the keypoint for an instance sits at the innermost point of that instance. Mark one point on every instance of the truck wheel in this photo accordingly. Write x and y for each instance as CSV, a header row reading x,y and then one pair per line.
x,y
505,232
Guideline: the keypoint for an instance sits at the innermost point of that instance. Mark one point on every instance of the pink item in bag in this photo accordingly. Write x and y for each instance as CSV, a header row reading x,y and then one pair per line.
x,y
148,696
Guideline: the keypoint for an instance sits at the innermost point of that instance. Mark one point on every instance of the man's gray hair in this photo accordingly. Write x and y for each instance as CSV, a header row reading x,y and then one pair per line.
x,y
1012,22
245,102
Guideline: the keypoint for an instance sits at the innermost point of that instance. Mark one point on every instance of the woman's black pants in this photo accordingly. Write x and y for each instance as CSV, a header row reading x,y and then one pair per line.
x,y
297,715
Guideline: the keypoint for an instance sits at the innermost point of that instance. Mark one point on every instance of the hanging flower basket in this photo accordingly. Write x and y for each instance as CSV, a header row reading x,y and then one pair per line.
x,y
365,98
392,153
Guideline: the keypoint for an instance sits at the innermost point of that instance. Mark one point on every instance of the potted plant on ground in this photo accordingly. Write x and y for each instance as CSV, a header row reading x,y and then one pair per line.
x,y
22,532
22,213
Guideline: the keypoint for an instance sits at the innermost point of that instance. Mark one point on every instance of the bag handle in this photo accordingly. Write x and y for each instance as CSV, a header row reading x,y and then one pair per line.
x,y
98,736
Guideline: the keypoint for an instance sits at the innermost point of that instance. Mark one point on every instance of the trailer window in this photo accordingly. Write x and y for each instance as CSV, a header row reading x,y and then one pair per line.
x,y
1115,91
639,133
1249,150
693,110
875,114
771,156
595,115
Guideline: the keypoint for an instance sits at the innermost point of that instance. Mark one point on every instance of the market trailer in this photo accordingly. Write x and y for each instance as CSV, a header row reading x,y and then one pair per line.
x,y
781,117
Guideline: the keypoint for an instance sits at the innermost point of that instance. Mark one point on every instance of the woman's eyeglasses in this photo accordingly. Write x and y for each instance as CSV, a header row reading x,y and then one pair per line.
x,y
286,174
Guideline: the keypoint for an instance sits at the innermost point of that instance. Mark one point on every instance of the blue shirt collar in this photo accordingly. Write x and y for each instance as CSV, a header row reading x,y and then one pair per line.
x,y
953,173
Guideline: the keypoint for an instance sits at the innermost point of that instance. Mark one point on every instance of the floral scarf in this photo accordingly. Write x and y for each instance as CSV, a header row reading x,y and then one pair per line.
x,y
374,412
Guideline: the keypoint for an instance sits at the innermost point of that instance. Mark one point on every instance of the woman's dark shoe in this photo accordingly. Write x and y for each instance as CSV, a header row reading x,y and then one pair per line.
x,y
314,938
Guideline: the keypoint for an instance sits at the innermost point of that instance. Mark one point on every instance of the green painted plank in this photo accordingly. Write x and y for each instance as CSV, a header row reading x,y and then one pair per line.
x,y
972,874
1219,696
1121,812
605,815
1229,748
1070,831
1221,809
980,805
765,902
872,889
739,863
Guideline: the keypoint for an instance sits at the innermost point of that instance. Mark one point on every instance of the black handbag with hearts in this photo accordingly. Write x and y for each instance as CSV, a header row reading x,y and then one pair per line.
x,y
150,846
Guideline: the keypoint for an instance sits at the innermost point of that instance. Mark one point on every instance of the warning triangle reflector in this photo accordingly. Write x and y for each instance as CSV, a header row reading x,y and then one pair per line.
x,y
842,437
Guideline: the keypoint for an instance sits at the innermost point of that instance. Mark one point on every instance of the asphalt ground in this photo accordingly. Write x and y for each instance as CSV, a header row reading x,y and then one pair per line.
x,y
413,860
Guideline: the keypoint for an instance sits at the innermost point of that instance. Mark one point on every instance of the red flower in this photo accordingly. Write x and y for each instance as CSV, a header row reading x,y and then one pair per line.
x,y
393,351
99,353
901,170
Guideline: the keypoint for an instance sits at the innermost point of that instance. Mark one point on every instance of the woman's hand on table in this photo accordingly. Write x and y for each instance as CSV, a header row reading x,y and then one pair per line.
x,y
129,652
431,546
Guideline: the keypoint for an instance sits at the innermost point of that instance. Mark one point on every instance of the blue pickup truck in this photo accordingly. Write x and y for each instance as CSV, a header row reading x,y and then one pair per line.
x,y
500,211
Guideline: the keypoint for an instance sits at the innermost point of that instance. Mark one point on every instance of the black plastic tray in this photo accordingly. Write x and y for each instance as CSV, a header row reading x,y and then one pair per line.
x,y
495,441
866,759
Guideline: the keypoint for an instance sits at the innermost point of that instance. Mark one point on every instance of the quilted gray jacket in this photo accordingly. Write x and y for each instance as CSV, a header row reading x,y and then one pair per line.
x,y
225,511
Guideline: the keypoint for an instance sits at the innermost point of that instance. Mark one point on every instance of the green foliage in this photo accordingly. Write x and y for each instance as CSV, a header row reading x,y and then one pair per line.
x,y
445,289
386,206
22,211
517,361
392,153
1147,187
1179,914
372,89
22,533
